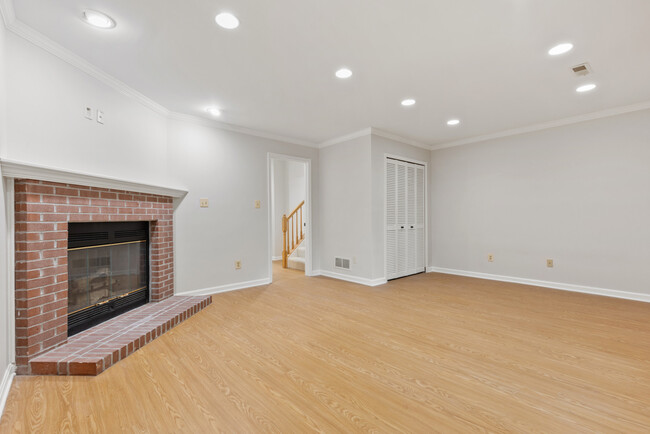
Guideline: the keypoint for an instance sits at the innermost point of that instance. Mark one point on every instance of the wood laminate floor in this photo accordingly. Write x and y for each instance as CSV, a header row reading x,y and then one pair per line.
x,y
429,353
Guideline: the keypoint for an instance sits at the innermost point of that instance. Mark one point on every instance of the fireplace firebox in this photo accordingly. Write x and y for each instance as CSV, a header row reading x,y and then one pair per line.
x,y
108,271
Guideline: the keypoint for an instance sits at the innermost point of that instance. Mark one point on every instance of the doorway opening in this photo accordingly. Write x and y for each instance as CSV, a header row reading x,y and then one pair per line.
x,y
290,216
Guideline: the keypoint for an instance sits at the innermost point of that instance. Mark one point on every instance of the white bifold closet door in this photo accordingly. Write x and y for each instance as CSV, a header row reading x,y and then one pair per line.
x,y
405,231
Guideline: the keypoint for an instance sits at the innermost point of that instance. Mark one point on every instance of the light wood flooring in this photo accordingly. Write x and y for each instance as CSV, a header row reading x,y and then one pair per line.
x,y
429,353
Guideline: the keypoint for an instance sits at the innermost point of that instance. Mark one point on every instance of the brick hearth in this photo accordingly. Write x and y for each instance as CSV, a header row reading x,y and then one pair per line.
x,y
96,349
43,210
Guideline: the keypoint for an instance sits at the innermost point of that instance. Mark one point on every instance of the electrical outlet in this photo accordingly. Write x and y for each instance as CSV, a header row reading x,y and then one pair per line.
x,y
549,263
100,116
89,113
258,204
237,265
490,257
203,203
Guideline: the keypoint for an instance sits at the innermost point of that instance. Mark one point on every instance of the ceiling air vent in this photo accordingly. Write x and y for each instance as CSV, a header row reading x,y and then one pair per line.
x,y
342,263
582,69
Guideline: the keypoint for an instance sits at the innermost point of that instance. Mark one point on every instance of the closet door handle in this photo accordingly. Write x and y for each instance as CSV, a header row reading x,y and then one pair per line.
x,y
401,227
412,227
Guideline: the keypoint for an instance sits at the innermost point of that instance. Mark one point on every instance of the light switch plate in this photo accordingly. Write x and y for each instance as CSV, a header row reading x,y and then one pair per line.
x,y
204,203
89,113
258,204
100,116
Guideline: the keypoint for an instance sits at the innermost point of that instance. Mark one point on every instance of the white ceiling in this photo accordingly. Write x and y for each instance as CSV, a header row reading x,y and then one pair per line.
x,y
484,62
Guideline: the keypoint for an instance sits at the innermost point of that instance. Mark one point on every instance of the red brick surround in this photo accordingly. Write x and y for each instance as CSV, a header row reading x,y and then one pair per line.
x,y
43,210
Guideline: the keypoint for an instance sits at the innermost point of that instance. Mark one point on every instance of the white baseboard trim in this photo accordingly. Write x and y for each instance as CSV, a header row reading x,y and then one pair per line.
x,y
348,278
228,288
5,386
276,258
546,284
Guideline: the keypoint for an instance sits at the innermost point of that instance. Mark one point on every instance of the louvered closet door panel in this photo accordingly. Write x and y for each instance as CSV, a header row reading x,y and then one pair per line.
x,y
420,239
391,219
401,253
411,208
405,225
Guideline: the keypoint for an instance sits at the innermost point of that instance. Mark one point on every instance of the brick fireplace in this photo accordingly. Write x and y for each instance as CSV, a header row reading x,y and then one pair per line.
x,y
42,213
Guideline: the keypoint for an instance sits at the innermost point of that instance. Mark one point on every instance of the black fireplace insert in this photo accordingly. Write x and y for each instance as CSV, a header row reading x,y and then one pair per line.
x,y
108,271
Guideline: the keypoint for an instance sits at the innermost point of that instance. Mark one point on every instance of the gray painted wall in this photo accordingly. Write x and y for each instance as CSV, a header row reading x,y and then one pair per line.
x,y
345,200
577,194
230,169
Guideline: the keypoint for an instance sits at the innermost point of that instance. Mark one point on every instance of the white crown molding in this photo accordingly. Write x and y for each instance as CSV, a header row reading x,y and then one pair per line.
x,y
396,138
7,12
349,278
376,132
228,288
22,170
345,138
29,34
241,130
548,125
545,284
5,385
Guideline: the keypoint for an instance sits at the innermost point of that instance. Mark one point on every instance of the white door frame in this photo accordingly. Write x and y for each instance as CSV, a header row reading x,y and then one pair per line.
x,y
426,208
308,231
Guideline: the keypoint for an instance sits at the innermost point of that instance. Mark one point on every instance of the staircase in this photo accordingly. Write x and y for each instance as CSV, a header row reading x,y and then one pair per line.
x,y
297,259
293,235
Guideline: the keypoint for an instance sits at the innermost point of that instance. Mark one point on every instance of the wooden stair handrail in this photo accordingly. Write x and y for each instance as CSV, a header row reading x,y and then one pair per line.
x,y
296,210
292,232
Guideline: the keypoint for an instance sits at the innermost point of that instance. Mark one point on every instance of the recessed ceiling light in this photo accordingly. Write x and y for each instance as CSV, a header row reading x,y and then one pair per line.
x,y
213,111
586,88
453,122
344,73
560,49
408,102
227,20
98,19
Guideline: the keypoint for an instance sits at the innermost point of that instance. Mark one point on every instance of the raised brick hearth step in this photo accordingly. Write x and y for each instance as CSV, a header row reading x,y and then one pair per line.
x,y
96,349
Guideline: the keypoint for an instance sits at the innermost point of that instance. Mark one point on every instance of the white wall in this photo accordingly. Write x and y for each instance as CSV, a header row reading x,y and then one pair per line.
x,y
345,203
295,184
229,169
577,194
3,87
380,147
46,100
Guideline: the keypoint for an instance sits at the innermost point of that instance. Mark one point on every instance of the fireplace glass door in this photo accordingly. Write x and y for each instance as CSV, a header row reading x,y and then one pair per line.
x,y
108,271
99,274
